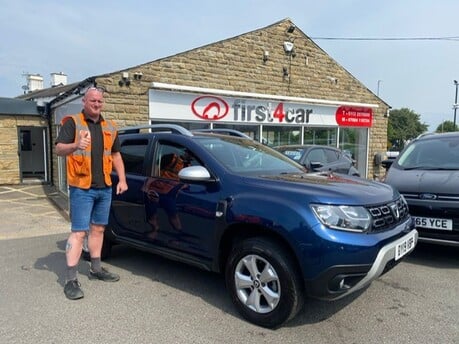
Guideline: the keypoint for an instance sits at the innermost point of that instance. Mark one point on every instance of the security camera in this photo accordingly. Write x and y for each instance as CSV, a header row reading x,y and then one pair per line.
x,y
288,47
291,28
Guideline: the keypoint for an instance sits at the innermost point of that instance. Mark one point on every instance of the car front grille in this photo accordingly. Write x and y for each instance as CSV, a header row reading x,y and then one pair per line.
x,y
388,215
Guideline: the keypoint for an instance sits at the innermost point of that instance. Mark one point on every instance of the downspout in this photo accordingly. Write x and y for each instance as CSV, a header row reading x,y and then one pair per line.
x,y
50,145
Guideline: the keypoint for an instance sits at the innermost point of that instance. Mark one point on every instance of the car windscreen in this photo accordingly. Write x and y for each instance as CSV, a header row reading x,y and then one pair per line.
x,y
245,156
292,153
432,154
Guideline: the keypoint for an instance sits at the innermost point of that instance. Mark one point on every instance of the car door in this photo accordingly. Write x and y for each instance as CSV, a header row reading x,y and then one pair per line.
x,y
336,162
182,214
315,159
127,215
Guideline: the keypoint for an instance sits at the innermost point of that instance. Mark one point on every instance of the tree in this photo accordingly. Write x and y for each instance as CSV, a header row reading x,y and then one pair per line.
x,y
446,126
404,125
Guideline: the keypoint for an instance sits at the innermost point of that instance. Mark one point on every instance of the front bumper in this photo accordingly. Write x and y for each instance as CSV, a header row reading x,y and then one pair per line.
x,y
341,281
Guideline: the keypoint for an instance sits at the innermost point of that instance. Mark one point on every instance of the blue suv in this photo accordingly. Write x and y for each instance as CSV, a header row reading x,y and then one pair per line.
x,y
225,203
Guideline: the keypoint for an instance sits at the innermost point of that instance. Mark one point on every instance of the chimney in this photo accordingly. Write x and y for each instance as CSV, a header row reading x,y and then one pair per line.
x,y
34,82
58,79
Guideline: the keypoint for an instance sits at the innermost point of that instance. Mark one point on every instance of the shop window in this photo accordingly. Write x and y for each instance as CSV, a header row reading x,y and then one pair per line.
x,y
354,142
281,135
320,136
251,130
186,125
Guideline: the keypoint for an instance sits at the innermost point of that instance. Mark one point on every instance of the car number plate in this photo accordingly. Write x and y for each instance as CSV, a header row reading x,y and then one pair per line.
x,y
433,223
405,246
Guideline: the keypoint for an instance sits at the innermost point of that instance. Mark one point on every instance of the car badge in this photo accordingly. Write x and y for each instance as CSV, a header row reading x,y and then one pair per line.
x,y
427,196
395,211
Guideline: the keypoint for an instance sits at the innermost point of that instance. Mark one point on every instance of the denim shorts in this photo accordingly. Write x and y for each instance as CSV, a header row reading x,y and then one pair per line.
x,y
89,206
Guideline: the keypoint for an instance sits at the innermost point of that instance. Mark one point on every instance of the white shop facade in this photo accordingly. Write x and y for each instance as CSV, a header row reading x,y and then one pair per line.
x,y
273,120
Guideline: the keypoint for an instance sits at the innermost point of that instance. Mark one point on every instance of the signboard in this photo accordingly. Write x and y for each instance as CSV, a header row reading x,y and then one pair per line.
x,y
348,116
184,106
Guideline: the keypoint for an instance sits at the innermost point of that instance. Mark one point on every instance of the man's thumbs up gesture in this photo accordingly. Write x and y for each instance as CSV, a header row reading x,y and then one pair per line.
x,y
84,139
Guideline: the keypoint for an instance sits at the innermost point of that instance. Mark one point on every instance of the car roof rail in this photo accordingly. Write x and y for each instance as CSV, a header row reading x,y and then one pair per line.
x,y
424,134
224,131
154,128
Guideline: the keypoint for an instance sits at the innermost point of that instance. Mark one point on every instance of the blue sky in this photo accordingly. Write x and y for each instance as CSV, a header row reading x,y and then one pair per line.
x,y
86,38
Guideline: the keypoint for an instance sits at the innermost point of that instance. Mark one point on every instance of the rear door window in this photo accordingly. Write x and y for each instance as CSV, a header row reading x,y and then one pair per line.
x,y
133,152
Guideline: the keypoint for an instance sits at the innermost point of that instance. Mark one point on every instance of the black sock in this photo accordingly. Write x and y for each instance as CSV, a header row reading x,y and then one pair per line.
x,y
72,272
95,264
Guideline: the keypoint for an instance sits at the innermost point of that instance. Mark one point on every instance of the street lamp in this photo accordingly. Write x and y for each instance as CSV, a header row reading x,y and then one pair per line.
x,y
377,91
456,83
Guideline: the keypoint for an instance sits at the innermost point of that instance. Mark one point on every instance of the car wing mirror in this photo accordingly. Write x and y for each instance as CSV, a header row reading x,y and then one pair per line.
x,y
387,163
316,164
195,174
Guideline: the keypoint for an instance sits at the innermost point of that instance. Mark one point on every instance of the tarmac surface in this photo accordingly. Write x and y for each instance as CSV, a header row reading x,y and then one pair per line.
x,y
31,210
163,301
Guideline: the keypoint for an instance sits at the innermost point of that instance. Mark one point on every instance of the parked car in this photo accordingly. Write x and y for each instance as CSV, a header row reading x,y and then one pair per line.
x,y
231,205
426,173
320,158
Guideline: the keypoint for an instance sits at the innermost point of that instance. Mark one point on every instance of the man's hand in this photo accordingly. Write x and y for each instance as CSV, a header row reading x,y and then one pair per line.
x,y
84,139
121,187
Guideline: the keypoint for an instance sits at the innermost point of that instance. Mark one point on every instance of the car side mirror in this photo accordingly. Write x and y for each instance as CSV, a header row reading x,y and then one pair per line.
x,y
387,163
195,174
316,164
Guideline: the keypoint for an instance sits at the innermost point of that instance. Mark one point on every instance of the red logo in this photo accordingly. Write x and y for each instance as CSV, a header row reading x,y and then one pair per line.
x,y
210,108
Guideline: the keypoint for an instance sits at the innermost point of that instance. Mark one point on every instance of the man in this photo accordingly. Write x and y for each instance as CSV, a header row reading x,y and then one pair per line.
x,y
92,147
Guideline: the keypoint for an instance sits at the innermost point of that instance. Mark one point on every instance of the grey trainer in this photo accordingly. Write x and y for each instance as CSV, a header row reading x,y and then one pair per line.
x,y
72,290
104,275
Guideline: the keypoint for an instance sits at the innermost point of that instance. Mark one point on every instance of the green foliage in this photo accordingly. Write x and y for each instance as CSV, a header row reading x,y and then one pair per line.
x,y
446,126
404,125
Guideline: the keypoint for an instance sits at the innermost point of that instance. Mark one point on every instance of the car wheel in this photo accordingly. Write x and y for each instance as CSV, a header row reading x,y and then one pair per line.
x,y
263,282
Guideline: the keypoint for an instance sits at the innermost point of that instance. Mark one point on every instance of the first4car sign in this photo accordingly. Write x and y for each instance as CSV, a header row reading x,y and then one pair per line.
x,y
182,106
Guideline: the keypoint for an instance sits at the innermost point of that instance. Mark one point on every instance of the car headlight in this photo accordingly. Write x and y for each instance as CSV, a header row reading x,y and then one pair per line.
x,y
343,217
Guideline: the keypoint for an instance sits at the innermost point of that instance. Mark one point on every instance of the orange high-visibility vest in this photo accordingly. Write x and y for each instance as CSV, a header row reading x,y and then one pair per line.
x,y
79,172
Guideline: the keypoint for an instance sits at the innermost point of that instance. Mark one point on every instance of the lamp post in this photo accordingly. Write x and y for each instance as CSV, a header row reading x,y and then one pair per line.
x,y
377,90
456,83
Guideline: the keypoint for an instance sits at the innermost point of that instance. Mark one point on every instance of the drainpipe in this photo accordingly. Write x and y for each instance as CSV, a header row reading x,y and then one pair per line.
x,y
50,145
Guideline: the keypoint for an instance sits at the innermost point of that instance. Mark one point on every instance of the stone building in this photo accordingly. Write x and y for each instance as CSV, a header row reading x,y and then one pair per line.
x,y
23,134
277,85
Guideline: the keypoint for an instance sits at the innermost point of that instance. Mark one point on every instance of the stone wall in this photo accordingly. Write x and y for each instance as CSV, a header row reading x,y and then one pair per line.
x,y
237,64
9,141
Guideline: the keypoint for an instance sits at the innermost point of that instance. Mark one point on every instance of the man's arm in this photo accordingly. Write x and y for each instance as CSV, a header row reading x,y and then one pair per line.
x,y
65,144
64,149
118,166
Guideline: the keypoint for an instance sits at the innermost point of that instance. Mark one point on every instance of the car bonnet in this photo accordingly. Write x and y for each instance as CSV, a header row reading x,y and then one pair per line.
x,y
430,181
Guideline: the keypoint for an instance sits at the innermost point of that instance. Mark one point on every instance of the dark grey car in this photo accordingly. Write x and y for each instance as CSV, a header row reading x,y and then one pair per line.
x,y
426,173
320,158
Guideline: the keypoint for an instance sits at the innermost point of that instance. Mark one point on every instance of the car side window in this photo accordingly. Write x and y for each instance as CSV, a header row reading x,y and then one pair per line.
x,y
317,155
331,155
171,158
133,154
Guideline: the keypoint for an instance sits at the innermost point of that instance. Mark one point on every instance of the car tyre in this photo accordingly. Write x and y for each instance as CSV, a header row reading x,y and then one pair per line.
x,y
264,282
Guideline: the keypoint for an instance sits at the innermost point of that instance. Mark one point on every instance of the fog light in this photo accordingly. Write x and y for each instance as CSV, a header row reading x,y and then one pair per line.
x,y
343,282
342,285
